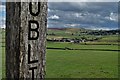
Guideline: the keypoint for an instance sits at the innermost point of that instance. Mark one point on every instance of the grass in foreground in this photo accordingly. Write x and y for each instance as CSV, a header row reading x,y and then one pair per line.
x,y
81,64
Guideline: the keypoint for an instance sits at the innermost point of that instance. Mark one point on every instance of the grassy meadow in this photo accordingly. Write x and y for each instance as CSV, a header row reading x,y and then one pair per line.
x,y
2,55
82,63
96,59
91,59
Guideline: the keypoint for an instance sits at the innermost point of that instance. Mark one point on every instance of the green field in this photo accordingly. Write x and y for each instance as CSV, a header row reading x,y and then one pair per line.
x,y
82,63
97,59
2,55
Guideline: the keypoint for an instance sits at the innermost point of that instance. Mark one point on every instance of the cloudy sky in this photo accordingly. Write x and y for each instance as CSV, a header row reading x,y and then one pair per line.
x,y
2,15
91,15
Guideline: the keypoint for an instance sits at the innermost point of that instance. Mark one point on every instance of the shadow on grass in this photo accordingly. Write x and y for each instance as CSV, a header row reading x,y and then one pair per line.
x,y
66,48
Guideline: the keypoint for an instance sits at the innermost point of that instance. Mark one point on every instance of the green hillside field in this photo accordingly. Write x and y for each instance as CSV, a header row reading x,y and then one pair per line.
x,y
97,59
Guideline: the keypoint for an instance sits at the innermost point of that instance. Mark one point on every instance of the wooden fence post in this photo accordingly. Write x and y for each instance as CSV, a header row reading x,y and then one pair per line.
x,y
26,24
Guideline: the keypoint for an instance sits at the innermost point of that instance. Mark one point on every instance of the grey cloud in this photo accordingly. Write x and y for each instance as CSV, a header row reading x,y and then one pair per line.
x,y
84,14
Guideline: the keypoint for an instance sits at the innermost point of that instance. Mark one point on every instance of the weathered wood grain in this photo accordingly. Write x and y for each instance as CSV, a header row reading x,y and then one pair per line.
x,y
17,42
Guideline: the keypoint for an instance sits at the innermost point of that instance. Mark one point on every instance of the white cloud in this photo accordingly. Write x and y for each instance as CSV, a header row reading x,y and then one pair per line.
x,y
49,10
4,19
54,17
78,15
2,7
2,22
99,28
3,26
72,25
113,17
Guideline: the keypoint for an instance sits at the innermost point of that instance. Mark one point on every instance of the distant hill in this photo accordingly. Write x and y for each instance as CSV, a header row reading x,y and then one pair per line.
x,y
56,29
87,31
69,29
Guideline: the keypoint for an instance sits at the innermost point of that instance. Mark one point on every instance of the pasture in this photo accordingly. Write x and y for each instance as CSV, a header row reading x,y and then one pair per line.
x,y
82,63
2,55
97,59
